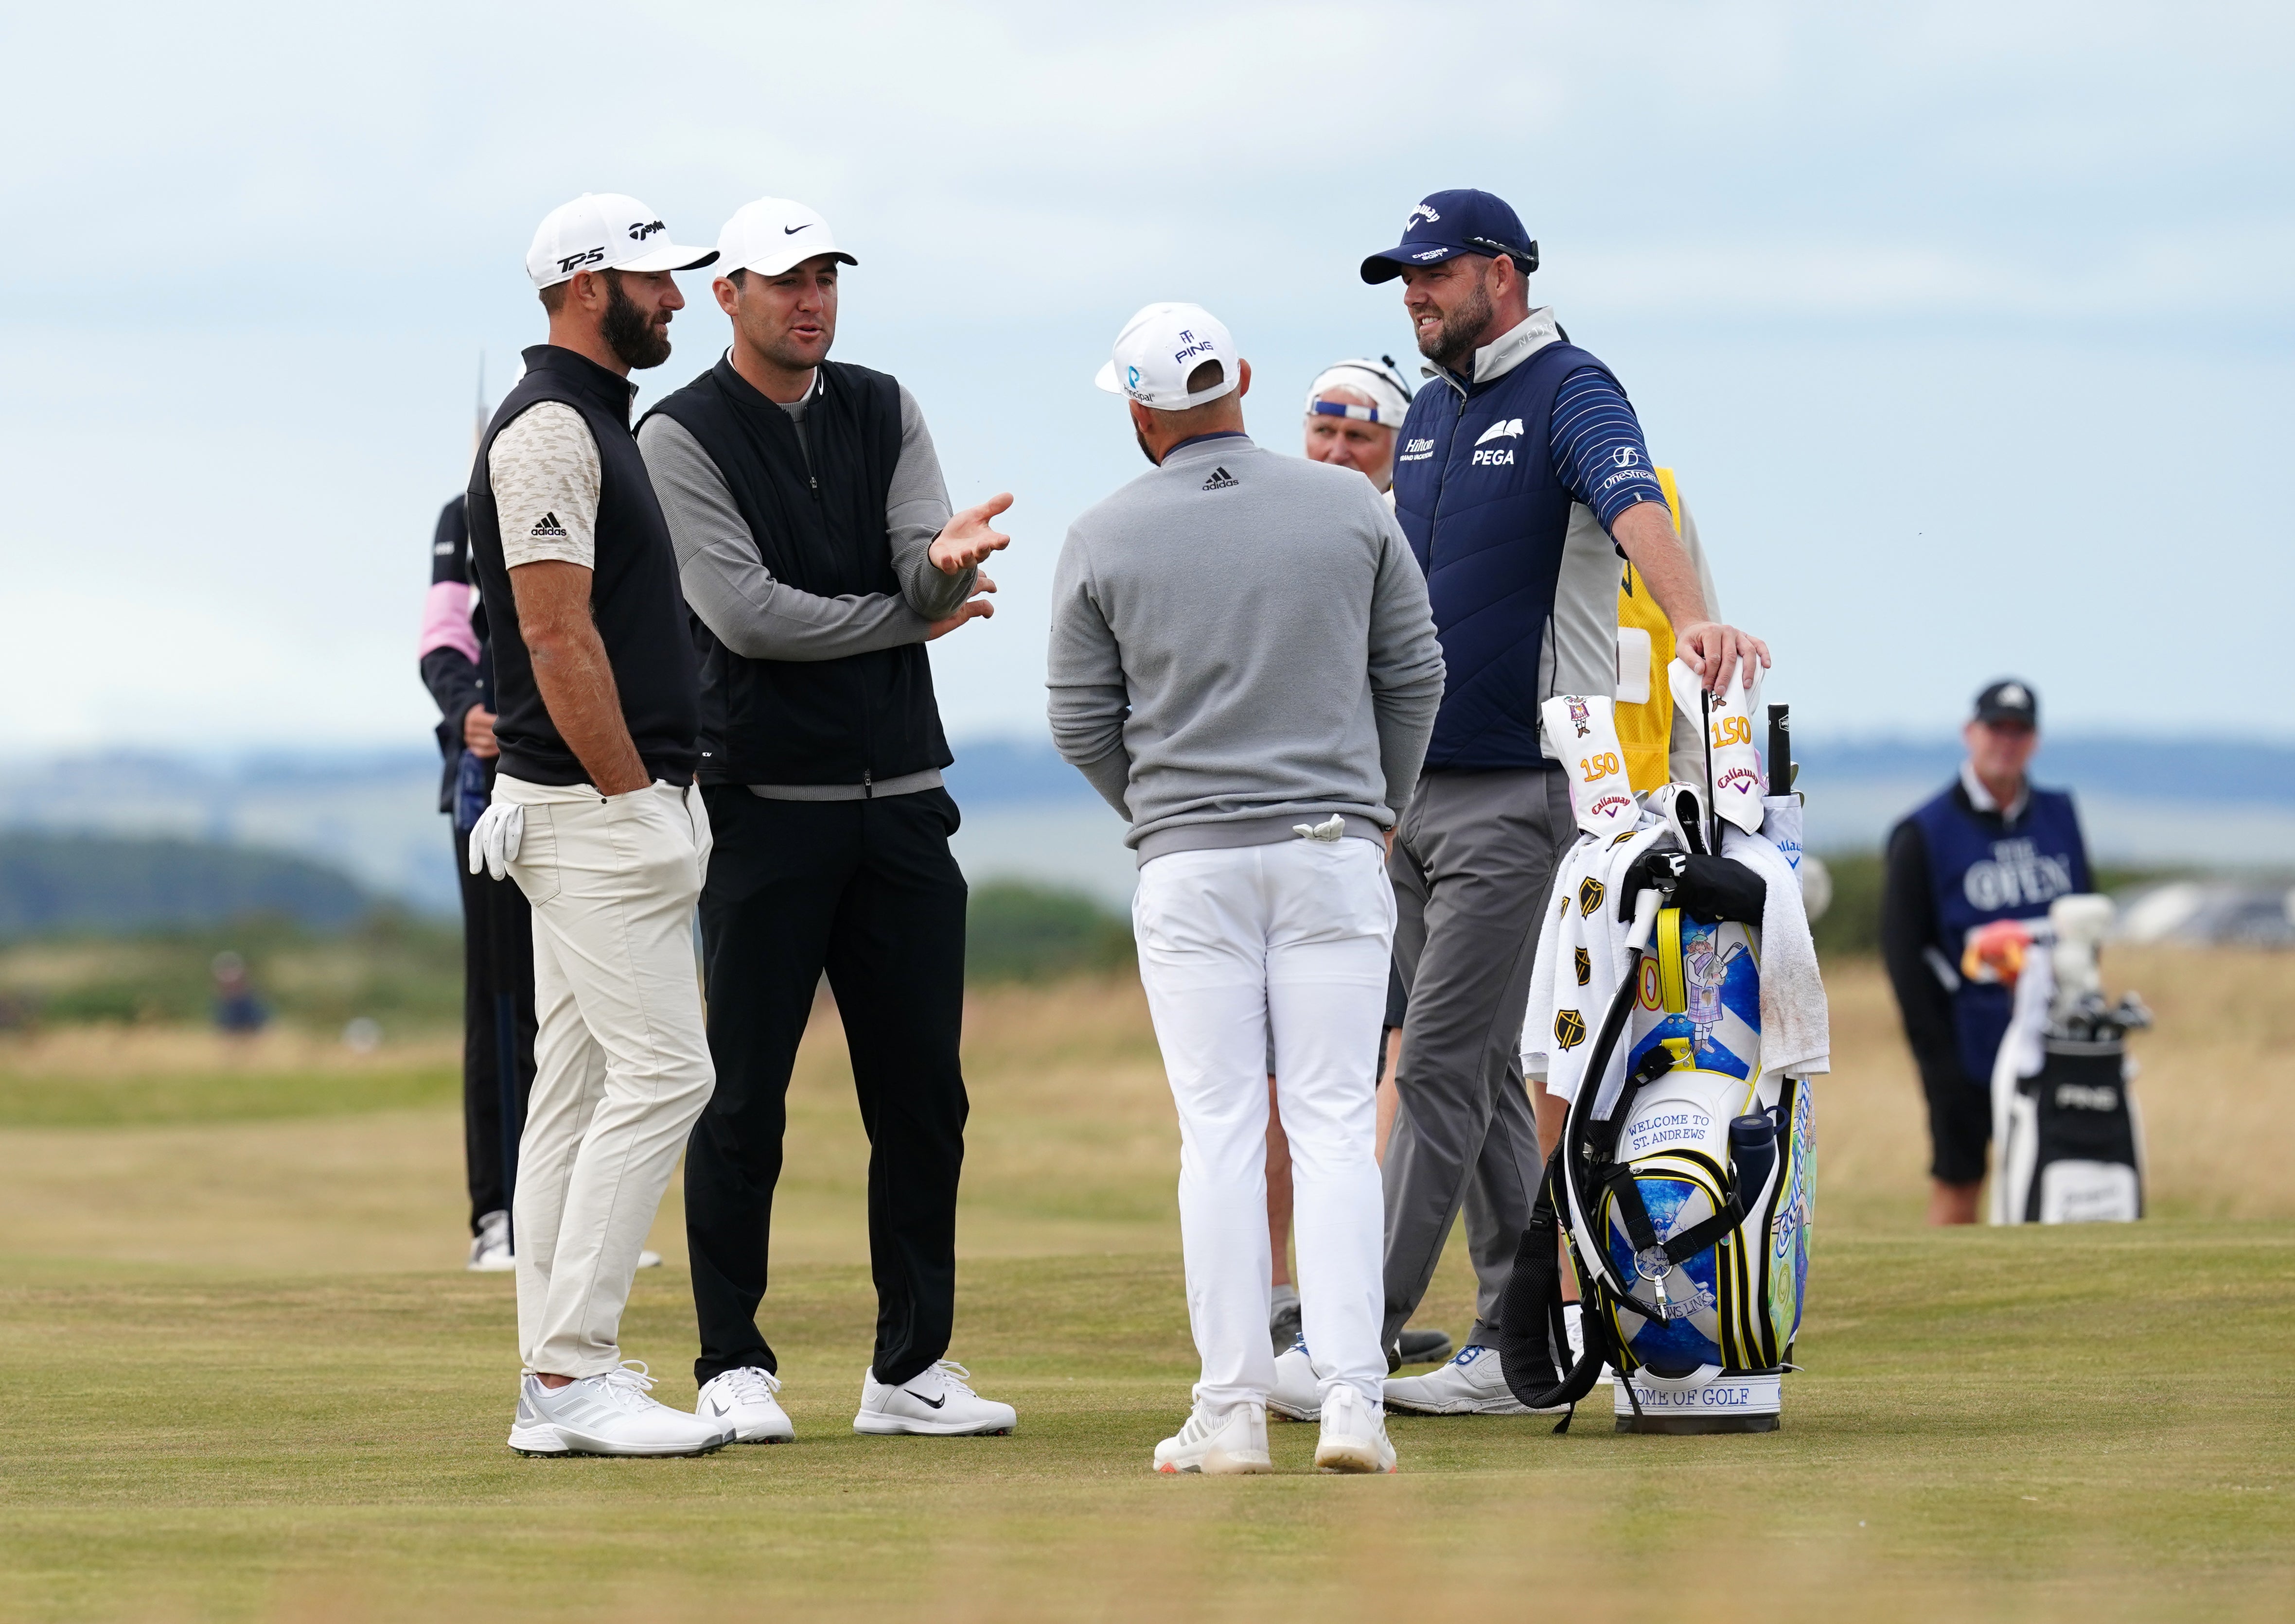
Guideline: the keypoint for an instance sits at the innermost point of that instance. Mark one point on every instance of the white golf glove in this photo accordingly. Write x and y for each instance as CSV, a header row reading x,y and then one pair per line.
x,y
495,837
1334,828
704,841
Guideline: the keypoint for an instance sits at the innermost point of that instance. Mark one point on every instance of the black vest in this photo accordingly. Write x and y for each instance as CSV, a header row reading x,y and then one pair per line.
x,y
820,528
634,595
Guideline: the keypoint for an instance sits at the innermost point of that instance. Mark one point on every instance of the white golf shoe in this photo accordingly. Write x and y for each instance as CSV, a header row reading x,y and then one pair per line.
x,y
490,1252
744,1400
1295,1396
1229,1445
1474,1383
936,1402
1354,1434
608,1414
648,1259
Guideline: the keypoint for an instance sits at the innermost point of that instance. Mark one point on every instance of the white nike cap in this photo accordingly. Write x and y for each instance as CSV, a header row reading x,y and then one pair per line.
x,y
1158,348
605,230
771,234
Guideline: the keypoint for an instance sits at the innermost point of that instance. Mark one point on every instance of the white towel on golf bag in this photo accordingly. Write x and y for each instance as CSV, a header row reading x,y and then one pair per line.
x,y
1796,1030
1567,928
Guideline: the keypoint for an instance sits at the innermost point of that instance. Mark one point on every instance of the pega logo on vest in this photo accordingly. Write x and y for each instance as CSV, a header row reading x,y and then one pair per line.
x,y
2016,874
1505,428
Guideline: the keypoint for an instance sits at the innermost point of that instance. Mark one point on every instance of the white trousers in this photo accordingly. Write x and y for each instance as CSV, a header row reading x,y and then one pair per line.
x,y
1290,941
621,1066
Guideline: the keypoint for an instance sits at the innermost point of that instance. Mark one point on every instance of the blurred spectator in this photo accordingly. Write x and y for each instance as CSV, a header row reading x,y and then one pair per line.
x,y
236,1010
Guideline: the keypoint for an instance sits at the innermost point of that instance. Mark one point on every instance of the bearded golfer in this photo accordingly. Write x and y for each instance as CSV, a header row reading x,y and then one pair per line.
x,y
595,815
1244,664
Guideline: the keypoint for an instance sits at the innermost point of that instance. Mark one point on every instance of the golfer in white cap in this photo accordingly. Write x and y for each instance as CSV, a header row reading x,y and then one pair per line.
x,y
1244,663
820,556
595,816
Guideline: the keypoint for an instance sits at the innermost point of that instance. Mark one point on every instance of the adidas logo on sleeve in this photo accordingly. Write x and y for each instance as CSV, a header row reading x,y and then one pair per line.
x,y
1221,480
548,528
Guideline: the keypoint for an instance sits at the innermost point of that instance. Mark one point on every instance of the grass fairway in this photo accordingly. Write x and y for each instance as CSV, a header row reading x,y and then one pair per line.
x,y
2084,1422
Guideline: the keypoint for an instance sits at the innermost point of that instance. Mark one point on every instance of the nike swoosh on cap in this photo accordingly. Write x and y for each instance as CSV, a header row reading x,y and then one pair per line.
x,y
791,231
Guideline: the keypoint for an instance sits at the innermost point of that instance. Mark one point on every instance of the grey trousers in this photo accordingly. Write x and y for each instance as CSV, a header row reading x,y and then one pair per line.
x,y
1471,867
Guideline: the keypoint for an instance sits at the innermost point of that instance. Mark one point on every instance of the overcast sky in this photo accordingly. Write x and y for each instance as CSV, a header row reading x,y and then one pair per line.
x,y
1966,326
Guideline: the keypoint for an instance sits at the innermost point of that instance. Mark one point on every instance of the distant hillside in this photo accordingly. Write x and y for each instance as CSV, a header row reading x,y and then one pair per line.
x,y
51,884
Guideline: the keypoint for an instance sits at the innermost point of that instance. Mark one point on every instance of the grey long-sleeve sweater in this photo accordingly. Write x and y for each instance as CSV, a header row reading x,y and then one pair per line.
x,y
761,618
1240,642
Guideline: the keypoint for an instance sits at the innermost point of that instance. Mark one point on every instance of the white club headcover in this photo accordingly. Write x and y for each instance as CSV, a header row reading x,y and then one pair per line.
x,y
1582,730
1737,784
495,838
1683,808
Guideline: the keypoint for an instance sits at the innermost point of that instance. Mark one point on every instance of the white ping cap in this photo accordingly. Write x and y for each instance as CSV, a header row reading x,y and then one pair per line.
x,y
605,230
1389,397
1158,348
771,234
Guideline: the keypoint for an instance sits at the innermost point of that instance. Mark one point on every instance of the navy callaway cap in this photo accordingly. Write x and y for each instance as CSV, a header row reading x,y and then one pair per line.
x,y
1447,223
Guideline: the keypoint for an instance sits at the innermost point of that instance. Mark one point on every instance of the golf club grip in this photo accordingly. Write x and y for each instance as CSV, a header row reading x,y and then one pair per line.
x,y
1780,749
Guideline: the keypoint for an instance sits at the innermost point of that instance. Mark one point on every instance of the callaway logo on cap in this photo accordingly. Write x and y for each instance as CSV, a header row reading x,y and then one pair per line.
x,y
771,234
1446,225
1159,348
605,230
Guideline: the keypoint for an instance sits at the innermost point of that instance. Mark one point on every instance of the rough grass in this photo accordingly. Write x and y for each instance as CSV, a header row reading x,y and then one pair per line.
x,y
247,1382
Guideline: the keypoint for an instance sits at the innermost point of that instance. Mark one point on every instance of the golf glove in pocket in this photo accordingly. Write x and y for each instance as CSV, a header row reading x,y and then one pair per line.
x,y
495,838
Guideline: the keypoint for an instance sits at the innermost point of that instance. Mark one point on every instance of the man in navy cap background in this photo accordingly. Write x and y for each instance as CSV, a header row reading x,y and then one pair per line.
x,y
1989,848
1521,430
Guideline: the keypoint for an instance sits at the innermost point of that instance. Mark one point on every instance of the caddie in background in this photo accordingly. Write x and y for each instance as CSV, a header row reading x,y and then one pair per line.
x,y
820,556
1243,663
1518,428
596,816
1991,846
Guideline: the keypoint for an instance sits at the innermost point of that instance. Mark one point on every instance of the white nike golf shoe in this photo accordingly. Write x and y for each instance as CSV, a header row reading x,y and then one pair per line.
x,y
608,1414
1354,1434
1295,1396
937,1401
743,1399
1474,1383
1229,1445
490,1252
648,1259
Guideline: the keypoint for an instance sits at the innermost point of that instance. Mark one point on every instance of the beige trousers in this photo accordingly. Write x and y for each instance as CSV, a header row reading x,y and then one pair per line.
x,y
621,1064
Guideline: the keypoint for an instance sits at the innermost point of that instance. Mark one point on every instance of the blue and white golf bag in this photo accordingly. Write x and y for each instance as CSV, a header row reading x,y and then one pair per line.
x,y
1684,1189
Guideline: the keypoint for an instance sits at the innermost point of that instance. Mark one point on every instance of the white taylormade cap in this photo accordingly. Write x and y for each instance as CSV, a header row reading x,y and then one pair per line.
x,y
771,234
605,230
1159,348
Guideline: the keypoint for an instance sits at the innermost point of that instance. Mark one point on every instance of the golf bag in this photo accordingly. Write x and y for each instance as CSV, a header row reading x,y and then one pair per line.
x,y
2064,1118
1685,1191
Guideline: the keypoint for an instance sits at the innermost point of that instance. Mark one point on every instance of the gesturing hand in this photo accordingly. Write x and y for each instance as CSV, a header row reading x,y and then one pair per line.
x,y
966,539
1713,650
972,608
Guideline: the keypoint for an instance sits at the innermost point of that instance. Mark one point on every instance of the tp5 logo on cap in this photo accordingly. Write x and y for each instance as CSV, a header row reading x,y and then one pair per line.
x,y
1160,348
604,231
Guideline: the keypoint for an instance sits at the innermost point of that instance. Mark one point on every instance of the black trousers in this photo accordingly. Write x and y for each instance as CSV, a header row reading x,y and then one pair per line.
x,y
497,1031
867,891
